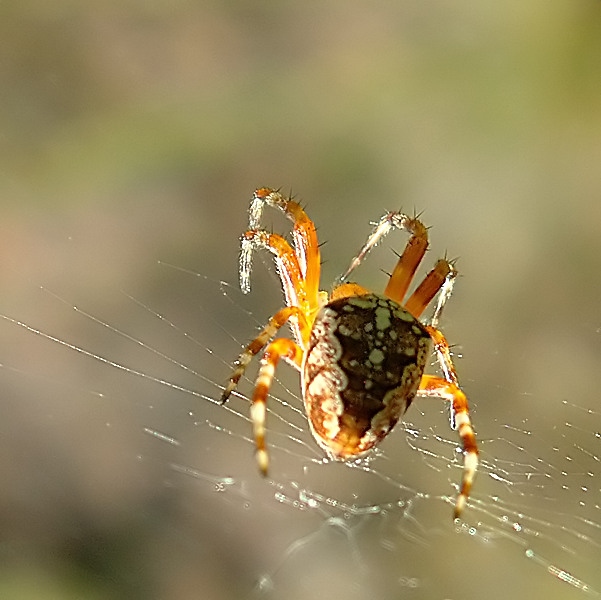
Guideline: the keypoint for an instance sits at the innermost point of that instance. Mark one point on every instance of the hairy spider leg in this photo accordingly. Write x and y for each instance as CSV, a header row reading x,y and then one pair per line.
x,y
305,242
429,287
433,386
413,254
273,326
289,272
443,354
285,259
408,262
448,388
445,293
304,235
279,348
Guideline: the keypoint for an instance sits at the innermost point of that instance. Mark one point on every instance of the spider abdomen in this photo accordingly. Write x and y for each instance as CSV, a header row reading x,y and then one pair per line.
x,y
362,368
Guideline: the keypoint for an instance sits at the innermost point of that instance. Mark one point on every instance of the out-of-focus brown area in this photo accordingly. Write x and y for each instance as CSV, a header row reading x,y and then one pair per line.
x,y
132,133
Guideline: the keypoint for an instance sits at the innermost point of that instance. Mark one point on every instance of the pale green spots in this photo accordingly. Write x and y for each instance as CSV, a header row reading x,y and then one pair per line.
x,y
404,315
376,356
382,318
362,301
344,330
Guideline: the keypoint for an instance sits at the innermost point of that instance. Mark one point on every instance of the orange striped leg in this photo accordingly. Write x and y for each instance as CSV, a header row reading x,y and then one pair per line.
x,y
286,262
431,385
443,354
304,232
272,327
442,272
445,293
280,348
412,256
414,251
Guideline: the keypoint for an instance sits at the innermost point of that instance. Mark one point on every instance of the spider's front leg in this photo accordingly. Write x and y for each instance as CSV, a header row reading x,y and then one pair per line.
x,y
306,245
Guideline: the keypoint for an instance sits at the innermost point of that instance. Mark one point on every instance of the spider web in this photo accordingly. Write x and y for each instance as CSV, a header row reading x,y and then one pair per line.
x,y
118,459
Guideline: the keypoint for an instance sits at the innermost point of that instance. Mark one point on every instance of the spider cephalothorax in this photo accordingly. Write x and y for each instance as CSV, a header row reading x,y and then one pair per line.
x,y
361,355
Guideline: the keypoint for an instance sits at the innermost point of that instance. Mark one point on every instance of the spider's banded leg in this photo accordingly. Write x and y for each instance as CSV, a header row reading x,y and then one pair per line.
x,y
437,279
280,348
445,293
285,258
414,251
412,256
383,226
433,386
304,233
286,263
272,327
443,354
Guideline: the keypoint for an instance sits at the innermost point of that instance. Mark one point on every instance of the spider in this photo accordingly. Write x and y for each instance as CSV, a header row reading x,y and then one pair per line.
x,y
361,355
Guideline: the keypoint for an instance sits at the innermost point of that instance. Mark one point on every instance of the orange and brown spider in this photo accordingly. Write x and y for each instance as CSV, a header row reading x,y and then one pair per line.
x,y
361,355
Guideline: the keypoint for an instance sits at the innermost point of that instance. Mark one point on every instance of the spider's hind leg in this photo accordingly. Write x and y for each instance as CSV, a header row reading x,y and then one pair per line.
x,y
433,386
447,387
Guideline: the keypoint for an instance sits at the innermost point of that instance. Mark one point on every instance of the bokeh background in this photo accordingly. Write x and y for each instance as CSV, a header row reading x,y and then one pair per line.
x,y
135,132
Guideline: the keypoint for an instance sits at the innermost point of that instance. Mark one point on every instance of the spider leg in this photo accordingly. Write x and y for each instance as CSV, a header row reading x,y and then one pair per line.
x,y
304,235
272,327
439,278
287,265
409,260
404,271
285,259
443,354
445,293
431,385
279,348
449,389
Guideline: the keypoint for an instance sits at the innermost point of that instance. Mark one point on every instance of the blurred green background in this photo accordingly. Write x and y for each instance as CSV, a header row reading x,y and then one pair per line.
x,y
132,132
